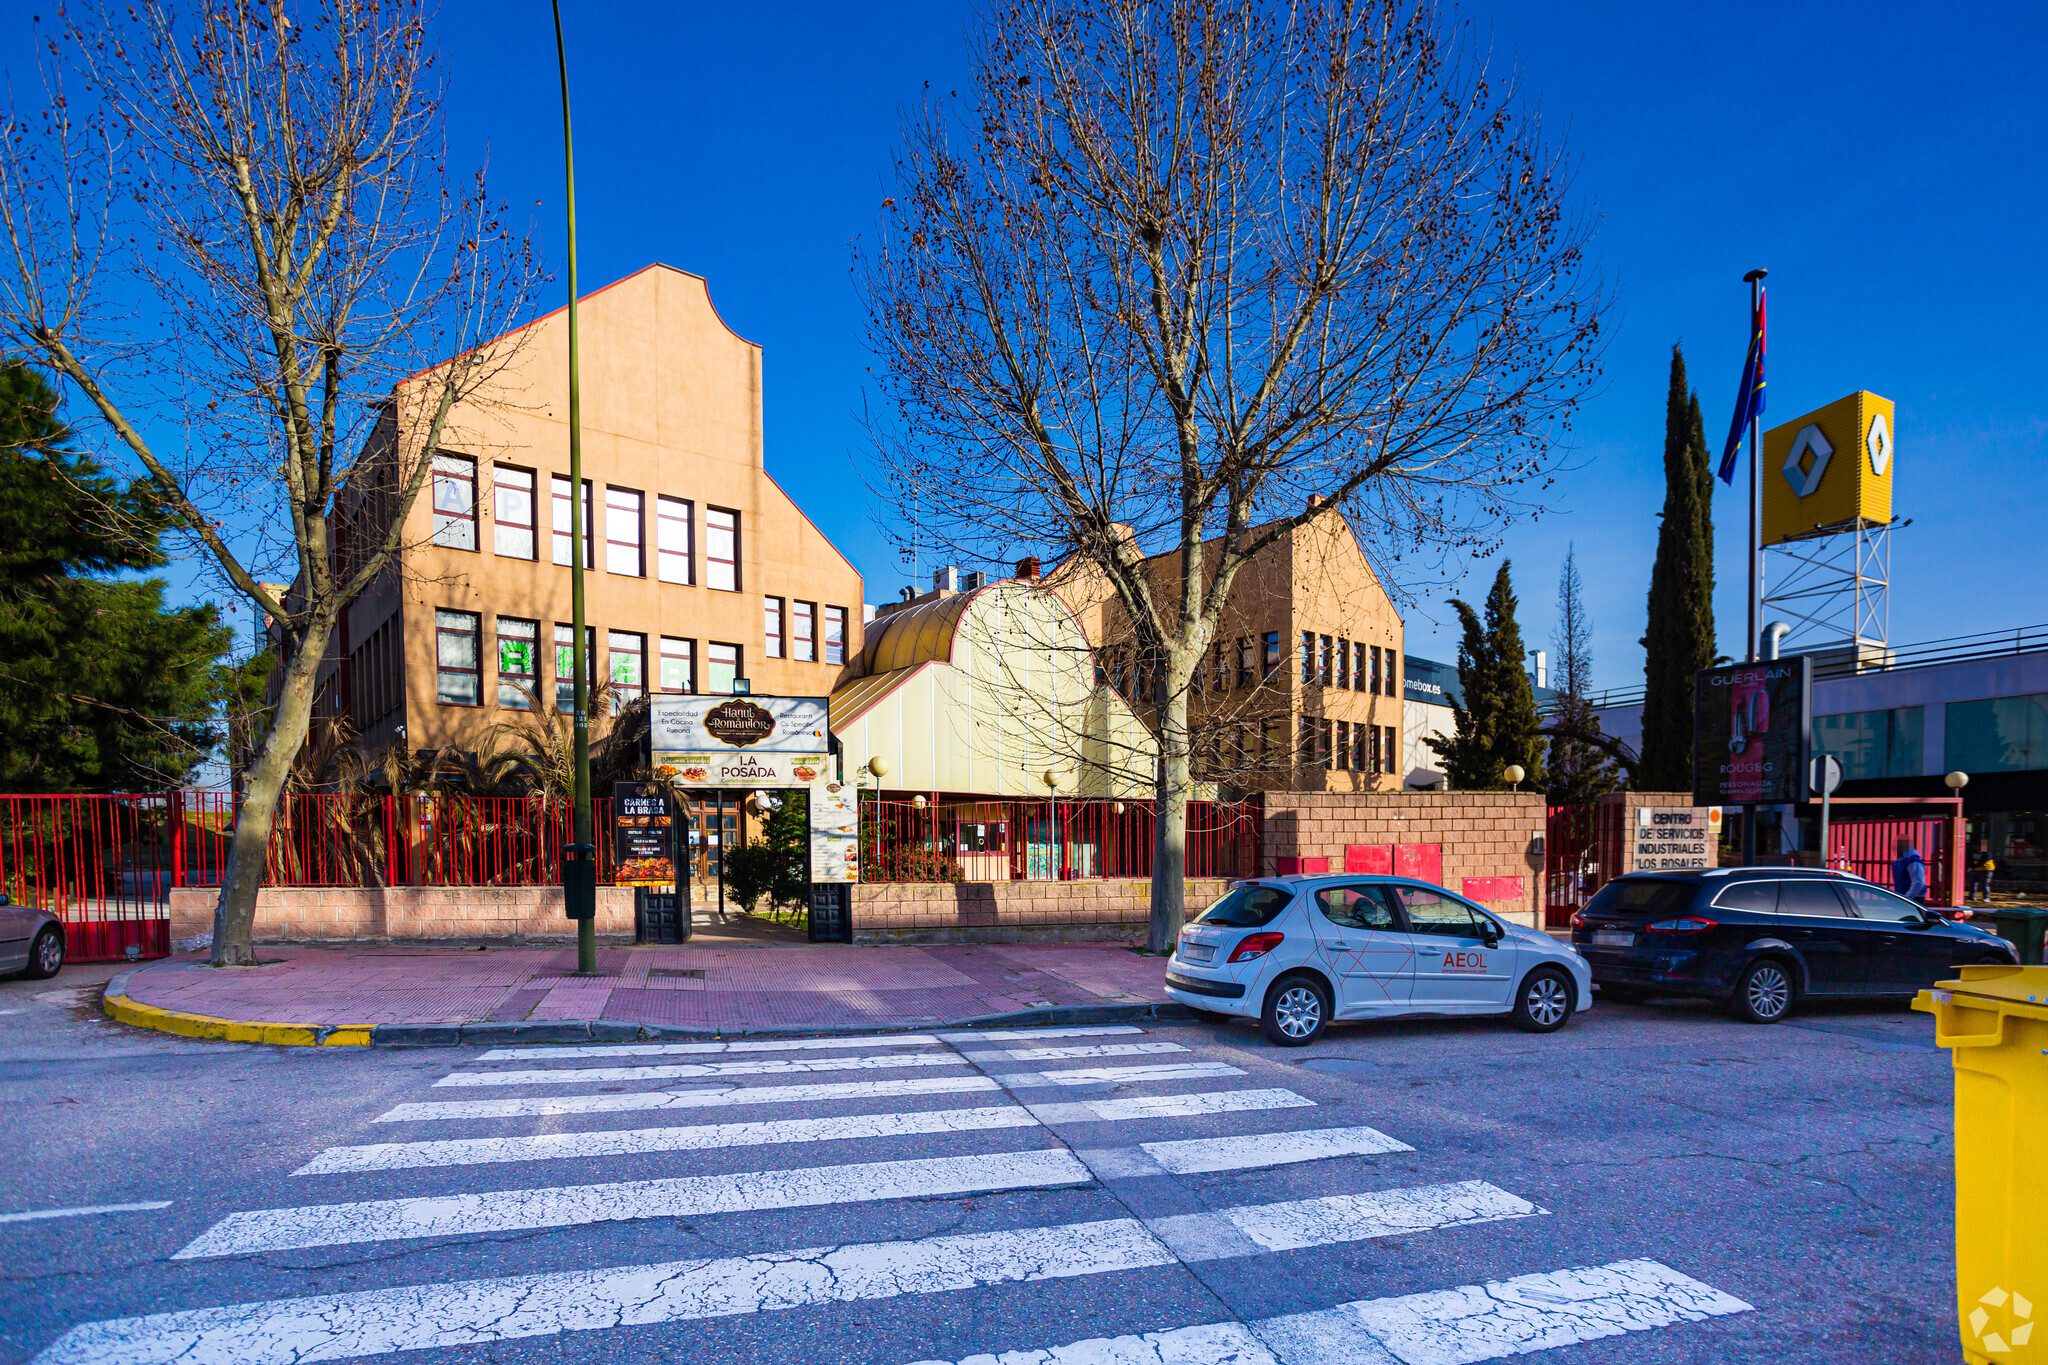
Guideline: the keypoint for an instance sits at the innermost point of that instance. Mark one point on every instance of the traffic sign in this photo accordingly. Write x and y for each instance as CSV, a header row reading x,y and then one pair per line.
x,y
1824,774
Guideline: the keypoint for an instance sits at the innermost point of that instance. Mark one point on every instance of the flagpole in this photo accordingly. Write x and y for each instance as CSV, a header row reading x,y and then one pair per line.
x,y
1755,280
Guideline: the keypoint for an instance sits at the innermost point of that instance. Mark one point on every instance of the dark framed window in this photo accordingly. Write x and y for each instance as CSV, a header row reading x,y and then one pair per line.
x,y
722,549
1247,660
1325,668
512,529
1375,669
518,663
1393,688
628,667
1326,731
1390,751
835,635
455,502
1343,748
1308,657
1305,742
1359,745
458,679
623,552
565,664
1272,652
558,489
1358,666
803,632
721,666
678,665
1344,665
771,627
1372,753
673,526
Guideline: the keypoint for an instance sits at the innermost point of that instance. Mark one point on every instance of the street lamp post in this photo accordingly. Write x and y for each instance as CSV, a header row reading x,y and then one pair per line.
x,y
1514,775
579,864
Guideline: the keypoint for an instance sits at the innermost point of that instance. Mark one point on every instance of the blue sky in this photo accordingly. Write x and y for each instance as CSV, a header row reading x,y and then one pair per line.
x,y
1882,160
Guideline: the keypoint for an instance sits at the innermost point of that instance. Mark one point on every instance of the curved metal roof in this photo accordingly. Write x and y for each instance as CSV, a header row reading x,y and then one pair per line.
x,y
919,634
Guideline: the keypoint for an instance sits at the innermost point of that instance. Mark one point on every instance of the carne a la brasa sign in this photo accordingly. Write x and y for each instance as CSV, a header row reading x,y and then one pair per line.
x,y
739,741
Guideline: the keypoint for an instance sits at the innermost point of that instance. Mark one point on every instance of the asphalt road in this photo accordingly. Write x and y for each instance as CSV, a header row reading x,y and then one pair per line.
x,y
1698,1189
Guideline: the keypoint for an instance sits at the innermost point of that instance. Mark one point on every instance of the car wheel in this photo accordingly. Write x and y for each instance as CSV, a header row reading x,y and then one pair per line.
x,y
1297,1008
1544,1003
46,955
1764,994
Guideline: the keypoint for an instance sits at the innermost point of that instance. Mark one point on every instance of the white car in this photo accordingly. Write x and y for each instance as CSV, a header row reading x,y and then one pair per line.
x,y
1297,952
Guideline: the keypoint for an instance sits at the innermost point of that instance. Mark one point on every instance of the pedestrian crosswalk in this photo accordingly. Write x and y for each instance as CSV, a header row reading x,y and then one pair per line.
x,y
1113,1117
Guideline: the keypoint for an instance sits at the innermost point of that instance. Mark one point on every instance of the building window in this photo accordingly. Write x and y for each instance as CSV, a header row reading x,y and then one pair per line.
x,y
803,632
518,662
1324,670
672,540
622,531
1305,743
1308,657
1375,670
565,663
1885,743
835,635
1359,746
721,666
1247,660
559,488
1372,755
721,549
628,667
512,516
1272,742
678,664
1393,688
1344,665
457,680
1343,748
771,627
1272,661
1389,749
1326,732
455,502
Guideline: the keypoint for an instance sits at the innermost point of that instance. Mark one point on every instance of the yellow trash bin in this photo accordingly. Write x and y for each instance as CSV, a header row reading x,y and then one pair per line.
x,y
1994,1021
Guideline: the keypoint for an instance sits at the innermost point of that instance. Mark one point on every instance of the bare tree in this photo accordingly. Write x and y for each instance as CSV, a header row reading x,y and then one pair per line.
x,y
1176,267
233,232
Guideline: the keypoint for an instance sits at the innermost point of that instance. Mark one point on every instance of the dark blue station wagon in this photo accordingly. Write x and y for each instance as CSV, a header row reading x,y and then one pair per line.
x,y
1761,938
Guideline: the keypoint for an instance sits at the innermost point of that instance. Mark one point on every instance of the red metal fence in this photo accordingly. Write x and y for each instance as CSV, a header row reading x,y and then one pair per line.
x,y
1867,847
1581,852
947,838
99,863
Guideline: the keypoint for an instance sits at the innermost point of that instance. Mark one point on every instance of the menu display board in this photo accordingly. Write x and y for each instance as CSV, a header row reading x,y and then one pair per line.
x,y
643,835
835,834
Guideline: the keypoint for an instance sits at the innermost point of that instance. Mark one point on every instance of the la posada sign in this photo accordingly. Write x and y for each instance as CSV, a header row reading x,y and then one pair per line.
x,y
739,741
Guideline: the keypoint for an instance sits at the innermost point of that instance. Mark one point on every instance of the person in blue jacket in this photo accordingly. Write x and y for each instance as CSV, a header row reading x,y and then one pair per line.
x,y
1909,873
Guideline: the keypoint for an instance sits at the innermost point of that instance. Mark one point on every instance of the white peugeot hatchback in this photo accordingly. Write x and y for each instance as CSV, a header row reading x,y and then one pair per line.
x,y
1297,952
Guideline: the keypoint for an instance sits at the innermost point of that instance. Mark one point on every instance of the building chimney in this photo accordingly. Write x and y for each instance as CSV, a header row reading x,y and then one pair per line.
x,y
1027,568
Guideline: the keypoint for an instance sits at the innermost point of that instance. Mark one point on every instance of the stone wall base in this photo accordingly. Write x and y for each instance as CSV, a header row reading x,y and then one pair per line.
x,y
1012,912
367,914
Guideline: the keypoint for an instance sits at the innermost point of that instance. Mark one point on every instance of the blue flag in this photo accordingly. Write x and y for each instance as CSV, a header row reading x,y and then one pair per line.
x,y
1749,402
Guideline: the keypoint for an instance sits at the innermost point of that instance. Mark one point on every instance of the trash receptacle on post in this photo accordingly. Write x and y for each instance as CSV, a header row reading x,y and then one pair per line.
x,y
1994,1021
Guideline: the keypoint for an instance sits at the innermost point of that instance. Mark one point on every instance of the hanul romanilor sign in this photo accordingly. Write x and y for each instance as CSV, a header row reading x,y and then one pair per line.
x,y
739,741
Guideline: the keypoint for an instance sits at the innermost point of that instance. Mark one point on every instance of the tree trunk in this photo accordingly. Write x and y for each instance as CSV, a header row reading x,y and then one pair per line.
x,y
1170,826
234,915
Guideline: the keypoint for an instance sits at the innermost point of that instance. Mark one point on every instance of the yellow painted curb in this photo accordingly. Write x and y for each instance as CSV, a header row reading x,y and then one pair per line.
x,y
126,1011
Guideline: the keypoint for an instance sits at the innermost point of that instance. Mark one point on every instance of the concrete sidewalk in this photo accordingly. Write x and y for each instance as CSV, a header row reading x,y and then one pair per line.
x,y
422,993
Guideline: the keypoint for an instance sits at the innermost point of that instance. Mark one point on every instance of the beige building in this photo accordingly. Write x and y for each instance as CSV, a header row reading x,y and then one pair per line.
x,y
1301,690
699,567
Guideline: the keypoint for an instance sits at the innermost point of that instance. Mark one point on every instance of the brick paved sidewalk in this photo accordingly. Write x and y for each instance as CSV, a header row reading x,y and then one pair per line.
x,y
709,988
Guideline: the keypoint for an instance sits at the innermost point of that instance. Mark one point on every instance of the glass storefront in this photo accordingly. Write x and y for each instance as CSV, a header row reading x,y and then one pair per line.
x,y
2019,844
2001,735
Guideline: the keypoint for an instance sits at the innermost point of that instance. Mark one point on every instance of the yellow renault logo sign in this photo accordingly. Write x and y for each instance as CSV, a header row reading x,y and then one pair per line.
x,y
1807,491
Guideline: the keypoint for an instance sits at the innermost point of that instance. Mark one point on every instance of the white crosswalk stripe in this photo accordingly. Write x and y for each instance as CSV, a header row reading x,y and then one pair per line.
x,y
1201,1141
780,1066
535,1106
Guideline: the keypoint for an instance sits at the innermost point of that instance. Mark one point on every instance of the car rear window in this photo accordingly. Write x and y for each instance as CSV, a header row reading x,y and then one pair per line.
x,y
1246,907
1641,896
1760,896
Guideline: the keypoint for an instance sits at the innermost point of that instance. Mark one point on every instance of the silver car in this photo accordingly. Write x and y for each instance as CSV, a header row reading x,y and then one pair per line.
x,y
31,940
1296,952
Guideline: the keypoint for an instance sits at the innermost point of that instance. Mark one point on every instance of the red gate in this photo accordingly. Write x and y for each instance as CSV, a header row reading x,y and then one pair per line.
x,y
101,864
1867,848
1581,851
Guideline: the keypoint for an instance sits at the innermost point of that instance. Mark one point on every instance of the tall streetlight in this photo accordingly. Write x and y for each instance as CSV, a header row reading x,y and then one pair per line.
x,y
579,860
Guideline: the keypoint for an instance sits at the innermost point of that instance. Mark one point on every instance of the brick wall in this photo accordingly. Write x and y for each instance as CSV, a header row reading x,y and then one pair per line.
x,y
346,914
1490,837
1011,912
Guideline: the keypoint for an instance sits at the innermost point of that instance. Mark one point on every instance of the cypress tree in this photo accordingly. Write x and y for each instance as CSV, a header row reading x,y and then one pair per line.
x,y
1579,771
1496,721
1679,636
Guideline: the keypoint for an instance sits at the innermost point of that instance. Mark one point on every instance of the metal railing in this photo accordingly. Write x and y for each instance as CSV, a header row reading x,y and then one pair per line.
x,y
947,838
101,864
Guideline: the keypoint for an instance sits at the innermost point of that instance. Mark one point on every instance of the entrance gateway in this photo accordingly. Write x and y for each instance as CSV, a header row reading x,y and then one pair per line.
x,y
716,746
